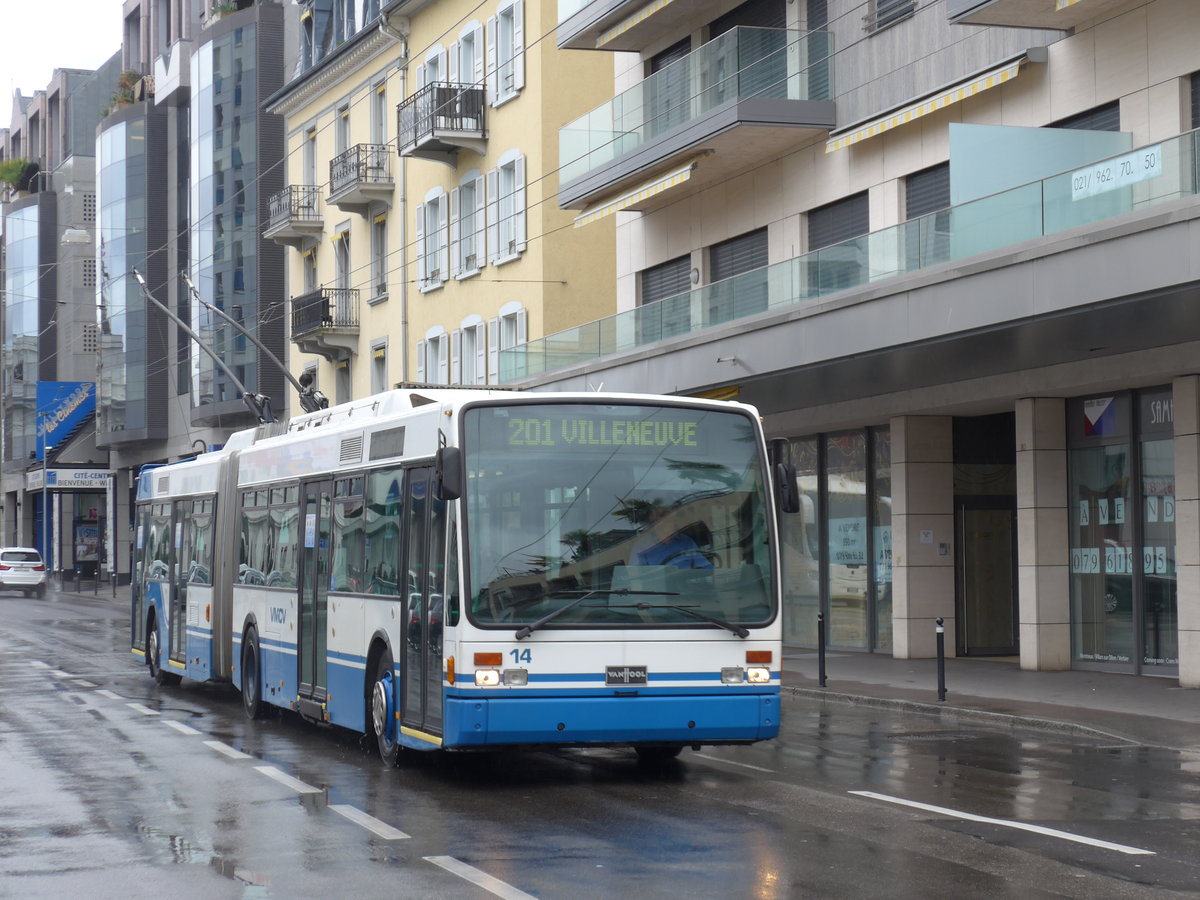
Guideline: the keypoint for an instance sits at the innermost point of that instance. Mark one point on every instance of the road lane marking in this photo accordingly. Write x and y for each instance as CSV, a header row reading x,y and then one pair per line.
x,y
181,728
730,762
84,683
145,711
227,750
1009,823
283,778
369,822
482,879
110,695
39,664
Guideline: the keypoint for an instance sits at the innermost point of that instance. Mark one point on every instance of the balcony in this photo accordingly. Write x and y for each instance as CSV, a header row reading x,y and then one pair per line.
x,y
743,99
295,217
628,24
1061,15
439,120
360,177
325,322
1076,204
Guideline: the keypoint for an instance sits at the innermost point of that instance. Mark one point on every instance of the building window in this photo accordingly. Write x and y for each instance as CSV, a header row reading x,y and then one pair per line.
x,y
342,131
310,157
505,331
1195,100
467,226
433,68
433,357
379,286
506,205
739,256
927,197
665,280
341,260
466,56
379,376
342,386
1098,118
506,52
469,352
883,13
379,115
310,272
838,221
433,249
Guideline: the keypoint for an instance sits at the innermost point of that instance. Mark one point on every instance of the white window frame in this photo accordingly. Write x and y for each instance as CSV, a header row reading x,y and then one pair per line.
x,y
432,244
379,377
468,352
432,68
506,234
505,331
433,357
466,68
342,130
379,113
506,52
379,255
467,226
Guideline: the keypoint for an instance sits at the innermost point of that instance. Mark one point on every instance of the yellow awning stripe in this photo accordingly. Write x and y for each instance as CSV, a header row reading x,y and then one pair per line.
x,y
657,186
625,24
1064,4
969,88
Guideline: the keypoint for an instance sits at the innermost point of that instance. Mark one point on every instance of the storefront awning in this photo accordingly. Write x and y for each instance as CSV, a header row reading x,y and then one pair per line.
x,y
974,85
625,24
649,189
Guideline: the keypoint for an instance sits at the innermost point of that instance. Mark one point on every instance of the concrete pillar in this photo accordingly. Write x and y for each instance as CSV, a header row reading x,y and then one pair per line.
x,y
922,534
1186,398
1043,544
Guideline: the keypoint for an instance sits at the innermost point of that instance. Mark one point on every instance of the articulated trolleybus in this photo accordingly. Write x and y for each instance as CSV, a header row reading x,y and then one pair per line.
x,y
470,569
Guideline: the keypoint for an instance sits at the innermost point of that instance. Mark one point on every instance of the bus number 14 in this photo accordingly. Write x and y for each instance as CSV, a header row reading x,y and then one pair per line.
x,y
521,656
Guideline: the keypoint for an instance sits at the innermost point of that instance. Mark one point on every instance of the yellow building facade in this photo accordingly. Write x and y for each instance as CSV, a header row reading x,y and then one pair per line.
x,y
421,213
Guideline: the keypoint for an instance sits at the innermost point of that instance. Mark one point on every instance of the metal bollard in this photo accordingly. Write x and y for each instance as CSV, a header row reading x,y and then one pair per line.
x,y
941,660
96,581
821,648
77,579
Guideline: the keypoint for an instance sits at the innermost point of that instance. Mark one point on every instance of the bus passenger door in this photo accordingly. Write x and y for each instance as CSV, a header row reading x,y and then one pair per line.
x,y
424,585
316,505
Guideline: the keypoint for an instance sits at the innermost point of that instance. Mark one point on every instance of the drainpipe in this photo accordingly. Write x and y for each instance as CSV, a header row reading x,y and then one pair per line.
x,y
399,33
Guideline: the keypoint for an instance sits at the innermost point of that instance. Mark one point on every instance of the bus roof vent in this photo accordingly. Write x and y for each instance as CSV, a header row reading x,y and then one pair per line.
x,y
352,448
164,485
419,400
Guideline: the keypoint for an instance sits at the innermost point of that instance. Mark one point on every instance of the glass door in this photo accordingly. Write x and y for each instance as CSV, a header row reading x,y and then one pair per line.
x,y
987,588
424,580
311,640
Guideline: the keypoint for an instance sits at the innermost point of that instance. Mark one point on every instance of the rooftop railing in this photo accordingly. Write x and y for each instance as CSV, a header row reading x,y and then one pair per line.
x,y
1141,179
741,63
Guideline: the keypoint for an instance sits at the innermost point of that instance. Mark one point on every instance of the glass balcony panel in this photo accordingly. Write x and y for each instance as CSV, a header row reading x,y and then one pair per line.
x,y
741,63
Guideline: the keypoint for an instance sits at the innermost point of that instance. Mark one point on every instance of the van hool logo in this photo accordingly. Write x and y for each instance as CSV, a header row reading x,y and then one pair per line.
x,y
625,675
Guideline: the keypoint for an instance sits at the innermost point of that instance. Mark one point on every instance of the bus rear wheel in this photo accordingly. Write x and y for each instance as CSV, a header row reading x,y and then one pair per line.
x,y
154,658
381,711
251,676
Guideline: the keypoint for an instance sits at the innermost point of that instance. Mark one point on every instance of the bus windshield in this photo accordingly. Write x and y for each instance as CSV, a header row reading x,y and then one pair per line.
x,y
615,515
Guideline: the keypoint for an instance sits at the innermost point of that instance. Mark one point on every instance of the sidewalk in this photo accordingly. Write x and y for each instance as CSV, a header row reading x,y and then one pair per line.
x,y
1147,710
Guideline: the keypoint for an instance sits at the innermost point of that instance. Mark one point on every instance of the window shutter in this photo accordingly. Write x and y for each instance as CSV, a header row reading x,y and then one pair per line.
x,y
422,269
492,74
442,244
452,71
518,14
419,80
927,191
479,219
420,360
522,326
455,241
839,221
493,214
666,280
743,253
493,350
1099,118
456,356
477,56
519,202
443,360
480,352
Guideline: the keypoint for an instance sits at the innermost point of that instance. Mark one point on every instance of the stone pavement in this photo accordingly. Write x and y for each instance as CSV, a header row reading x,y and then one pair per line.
x,y
1146,710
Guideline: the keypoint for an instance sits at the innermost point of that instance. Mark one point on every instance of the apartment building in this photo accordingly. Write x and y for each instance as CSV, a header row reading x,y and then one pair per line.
x,y
946,247
420,206
54,480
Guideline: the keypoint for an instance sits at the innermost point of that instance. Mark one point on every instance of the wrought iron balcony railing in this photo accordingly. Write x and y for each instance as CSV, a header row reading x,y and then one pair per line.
x,y
295,203
361,165
439,111
324,308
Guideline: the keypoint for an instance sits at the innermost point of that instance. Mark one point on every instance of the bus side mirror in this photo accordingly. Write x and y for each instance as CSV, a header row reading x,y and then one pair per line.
x,y
448,473
787,494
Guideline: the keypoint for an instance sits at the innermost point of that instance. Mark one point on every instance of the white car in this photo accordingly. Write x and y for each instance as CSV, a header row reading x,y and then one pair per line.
x,y
22,569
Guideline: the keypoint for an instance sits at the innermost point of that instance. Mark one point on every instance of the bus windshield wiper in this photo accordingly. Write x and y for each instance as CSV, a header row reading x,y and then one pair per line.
x,y
720,623
529,629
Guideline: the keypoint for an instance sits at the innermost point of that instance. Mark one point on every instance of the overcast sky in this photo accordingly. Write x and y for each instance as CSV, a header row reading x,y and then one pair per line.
x,y
54,34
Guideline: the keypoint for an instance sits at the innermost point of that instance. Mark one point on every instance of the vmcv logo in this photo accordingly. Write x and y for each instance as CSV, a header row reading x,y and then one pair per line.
x,y
278,615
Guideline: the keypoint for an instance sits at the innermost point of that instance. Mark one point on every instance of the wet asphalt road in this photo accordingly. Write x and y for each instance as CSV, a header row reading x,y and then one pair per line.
x,y
113,787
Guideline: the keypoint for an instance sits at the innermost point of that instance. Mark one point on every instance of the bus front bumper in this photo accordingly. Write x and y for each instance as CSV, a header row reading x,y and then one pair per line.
x,y
576,720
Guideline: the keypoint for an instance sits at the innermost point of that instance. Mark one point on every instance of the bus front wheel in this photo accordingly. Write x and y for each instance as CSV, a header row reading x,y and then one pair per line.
x,y
251,676
154,658
382,711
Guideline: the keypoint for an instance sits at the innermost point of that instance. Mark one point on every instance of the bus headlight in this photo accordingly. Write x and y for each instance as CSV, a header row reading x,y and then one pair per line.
x,y
516,676
487,677
732,675
758,675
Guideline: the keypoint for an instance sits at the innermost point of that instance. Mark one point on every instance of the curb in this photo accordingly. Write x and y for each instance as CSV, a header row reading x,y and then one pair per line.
x,y
940,711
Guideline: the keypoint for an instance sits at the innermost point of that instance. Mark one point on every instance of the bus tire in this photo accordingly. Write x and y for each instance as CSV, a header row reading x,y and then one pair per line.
x,y
381,713
252,701
154,657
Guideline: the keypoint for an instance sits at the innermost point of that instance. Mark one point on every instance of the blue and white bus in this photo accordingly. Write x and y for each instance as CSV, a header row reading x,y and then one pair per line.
x,y
467,569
